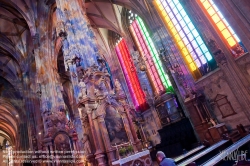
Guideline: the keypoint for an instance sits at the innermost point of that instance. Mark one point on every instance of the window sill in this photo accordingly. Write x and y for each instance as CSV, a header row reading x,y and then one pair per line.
x,y
238,58
207,75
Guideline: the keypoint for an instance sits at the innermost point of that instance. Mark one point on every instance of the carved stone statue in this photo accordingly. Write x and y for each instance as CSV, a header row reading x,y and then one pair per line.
x,y
86,144
118,87
189,92
217,52
213,46
220,57
102,64
83,88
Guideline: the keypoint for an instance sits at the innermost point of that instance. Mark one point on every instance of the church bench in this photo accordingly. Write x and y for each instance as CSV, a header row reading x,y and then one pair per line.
x,y
207,153
189,154
219,158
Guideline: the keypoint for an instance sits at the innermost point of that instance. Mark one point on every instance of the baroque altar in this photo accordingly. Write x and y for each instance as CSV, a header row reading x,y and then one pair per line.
x,y
105,116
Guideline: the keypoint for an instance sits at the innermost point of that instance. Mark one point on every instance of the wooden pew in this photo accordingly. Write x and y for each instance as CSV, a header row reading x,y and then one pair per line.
x,y
189,154
218,159
207,153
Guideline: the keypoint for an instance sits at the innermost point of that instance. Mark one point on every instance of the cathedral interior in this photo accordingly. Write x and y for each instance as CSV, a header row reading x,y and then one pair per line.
x,y
111,82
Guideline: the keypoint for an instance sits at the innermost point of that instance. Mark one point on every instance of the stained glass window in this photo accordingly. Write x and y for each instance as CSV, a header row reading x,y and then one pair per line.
x,y
223,27
151,57
191,45
131,77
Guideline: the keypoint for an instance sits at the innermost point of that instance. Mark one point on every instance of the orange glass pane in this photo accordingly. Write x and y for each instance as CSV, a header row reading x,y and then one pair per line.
x,y
164,13
189,59
174,31
226,33
231,41
192,66
167,19
221,25
160,7
184,51
210,11
206,4
216,18
170,25
177,37
158,2
181,44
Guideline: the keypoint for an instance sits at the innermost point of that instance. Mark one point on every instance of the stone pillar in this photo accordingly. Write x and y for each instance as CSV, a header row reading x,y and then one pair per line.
x,y
99,157
80,37
99,153
234,79
110,151
198,110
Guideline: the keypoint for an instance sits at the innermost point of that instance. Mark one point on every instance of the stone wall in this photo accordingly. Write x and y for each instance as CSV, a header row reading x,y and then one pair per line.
x,y
215,83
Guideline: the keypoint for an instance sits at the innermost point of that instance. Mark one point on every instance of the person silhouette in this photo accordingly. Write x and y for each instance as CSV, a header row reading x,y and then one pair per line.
x,y
161,158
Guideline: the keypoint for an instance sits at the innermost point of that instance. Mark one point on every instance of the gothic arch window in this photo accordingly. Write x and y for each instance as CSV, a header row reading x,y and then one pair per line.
x,y
222,26
188,40
224,106
150,56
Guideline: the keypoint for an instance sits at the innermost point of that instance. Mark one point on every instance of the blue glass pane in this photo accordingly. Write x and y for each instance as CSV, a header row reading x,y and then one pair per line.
x,y
189,47
178,5
198,51
175,11
195,33
195,45
164,3
208,56
182,34
191,26
176,2
182,23
167,9
193,55
178,16
190,36
186,30
171,4
178,28
174,21
171,15
183,13
197,62
199,40
204,48
185,41
203,59
187,20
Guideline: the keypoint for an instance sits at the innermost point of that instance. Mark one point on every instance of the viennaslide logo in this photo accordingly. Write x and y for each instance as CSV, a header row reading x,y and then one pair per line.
x,y
237,155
